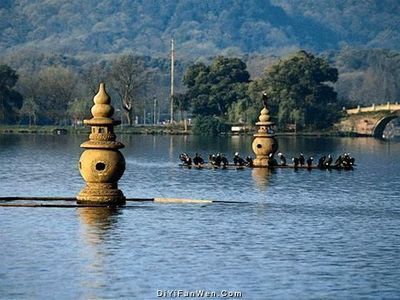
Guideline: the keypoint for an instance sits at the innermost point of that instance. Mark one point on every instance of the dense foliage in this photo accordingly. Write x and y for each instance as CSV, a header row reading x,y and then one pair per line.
x,y
299,93
181,104
59,89
201,28
297,86
367,76
369,23
10,100
212,89
62,49
208,125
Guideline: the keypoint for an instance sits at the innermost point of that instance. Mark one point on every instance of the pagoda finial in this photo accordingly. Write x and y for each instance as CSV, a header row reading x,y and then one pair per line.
x,y
102,97
264,114
102,107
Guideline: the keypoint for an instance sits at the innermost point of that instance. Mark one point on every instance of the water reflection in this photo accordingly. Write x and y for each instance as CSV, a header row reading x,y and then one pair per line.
x,y
97,221
261,177
171,147
97,225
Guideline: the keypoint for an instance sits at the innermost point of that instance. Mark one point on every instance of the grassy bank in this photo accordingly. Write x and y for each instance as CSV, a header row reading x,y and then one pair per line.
x,y
161,129
41,129
52,129
316,133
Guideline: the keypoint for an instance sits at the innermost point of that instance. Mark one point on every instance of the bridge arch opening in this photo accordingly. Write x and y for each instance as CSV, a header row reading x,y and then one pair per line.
x,y
381,125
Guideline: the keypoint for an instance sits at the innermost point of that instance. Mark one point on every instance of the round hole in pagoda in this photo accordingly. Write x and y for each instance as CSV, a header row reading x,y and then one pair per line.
x,y
100,166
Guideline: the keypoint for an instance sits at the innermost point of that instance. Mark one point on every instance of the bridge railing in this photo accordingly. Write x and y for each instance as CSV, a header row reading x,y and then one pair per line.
x,y
381,107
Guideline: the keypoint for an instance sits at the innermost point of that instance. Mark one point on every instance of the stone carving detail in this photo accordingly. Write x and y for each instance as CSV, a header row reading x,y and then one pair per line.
x,y
102,137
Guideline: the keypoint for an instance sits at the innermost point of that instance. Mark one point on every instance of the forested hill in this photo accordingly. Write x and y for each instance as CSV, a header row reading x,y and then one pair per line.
x,y
200,27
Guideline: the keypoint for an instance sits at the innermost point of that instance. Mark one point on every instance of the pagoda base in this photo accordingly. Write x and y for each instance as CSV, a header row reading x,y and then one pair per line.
x,y
261,162
101,194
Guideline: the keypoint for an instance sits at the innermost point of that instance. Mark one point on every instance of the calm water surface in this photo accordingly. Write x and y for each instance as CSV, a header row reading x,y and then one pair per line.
x,y
295,234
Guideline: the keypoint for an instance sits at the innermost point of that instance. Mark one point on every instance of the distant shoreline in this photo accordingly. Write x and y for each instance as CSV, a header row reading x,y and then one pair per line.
x,y
149,129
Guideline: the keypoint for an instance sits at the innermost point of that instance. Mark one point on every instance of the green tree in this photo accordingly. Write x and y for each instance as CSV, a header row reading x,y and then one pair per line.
x,y
10,100
213,89
208,125
299,92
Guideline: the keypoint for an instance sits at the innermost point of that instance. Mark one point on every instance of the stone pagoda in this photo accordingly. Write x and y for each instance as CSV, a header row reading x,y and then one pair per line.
x,y
264,144
101,164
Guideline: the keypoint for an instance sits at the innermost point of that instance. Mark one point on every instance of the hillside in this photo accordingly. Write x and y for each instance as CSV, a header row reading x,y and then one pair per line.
x,y
50,38
200,28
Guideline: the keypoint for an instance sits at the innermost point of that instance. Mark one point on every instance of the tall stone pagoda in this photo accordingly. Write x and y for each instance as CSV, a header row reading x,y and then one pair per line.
x,y
264,144
101,164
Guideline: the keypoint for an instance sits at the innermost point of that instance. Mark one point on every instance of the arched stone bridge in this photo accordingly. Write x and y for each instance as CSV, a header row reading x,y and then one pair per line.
x,y
369,121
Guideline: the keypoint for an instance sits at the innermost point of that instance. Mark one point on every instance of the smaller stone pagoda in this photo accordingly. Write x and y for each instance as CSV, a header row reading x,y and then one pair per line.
x,y
101,164
264,144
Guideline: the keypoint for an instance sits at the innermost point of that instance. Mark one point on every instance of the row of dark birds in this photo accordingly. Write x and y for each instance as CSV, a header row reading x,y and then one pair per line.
x,y
324,162
217,160
343,161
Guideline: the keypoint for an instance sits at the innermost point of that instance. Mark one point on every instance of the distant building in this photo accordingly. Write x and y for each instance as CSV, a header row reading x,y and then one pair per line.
x,y
238,129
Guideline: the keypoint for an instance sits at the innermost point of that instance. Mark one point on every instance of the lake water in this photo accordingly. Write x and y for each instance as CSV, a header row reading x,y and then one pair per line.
x,y
295,234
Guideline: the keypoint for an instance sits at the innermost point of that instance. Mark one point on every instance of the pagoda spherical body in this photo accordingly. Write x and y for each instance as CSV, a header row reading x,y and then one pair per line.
x,y
101,166
264,146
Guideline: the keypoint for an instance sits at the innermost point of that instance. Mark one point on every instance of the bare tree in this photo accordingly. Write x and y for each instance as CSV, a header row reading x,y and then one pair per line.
x,y
127,75
95,74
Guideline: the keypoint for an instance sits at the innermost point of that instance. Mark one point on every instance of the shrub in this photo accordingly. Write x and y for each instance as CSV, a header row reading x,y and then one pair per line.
x,y
208,125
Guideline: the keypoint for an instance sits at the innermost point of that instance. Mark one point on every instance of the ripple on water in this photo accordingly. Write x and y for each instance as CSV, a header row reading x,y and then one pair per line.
x,y
301,234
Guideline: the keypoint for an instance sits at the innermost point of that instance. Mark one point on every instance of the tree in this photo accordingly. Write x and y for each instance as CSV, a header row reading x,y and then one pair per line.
x,y
127,74
10,100
299,91
181,103
95,74
48,93
30,109
213,89
208,125
368,75
79,109
57,88
28,86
